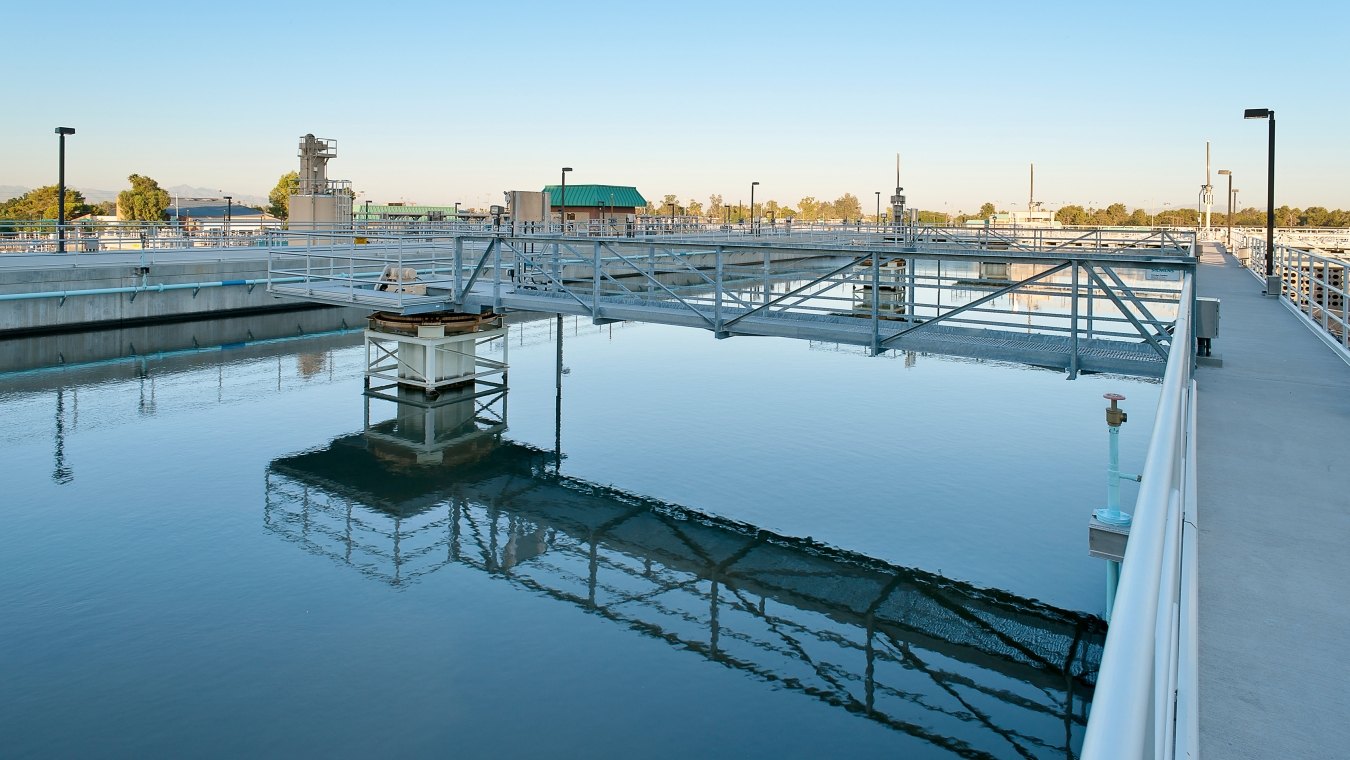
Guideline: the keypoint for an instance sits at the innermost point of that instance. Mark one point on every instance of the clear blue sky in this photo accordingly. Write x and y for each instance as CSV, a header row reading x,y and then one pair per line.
x,y
439,102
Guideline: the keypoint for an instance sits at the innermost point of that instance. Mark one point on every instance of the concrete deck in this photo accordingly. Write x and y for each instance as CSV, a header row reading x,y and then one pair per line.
x,y
1274,522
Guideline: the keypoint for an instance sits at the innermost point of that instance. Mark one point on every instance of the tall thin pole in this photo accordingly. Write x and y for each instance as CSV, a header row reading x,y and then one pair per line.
x,y
1270,201
61,133
562,201
1230,211
753,231
61,196
1031,197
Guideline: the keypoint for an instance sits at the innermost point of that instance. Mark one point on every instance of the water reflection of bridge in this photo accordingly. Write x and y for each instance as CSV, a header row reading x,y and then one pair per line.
x,y
976,672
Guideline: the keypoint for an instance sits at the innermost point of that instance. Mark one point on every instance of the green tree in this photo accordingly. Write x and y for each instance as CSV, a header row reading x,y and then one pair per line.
x,y
715,206
987,210
776,210
279,200
42,203
809,208
847,206
694,208
1071,214
670,202
144,202
1114,215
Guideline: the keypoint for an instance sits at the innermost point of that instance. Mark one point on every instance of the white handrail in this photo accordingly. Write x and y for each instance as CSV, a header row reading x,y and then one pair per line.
x,y
1136,694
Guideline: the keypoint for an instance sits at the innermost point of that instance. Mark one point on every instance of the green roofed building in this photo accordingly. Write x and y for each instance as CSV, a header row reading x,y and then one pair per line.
x,y
410,213
596,201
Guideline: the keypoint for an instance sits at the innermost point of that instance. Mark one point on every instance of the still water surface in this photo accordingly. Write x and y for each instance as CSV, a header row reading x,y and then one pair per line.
x,y
760,548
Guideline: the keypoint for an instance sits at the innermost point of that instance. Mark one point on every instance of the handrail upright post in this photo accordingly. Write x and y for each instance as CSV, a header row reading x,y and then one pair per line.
x,y
497,274
595,280
717,293
876,303
459,270
1073,322
1091,300
557,266
1345,306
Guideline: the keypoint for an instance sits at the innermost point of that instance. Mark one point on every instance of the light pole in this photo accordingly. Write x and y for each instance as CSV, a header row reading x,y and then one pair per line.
x,y
61,133
367,211
753,231
878,210
229,206
1266,113
457,205
562,201
1223,172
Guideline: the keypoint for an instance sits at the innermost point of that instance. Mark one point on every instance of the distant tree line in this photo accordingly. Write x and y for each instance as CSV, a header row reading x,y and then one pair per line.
x,y
146,201
1116,215
846,206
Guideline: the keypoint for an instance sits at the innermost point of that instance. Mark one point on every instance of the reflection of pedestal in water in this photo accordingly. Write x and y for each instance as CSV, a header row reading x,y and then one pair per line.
x,y
432,353
892,291
423,431
994,270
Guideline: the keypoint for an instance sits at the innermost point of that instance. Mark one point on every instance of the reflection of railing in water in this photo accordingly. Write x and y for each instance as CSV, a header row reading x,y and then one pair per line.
x,y
975,672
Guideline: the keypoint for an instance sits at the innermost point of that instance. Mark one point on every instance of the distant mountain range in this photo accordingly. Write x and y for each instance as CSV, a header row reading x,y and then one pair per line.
x,y
92,195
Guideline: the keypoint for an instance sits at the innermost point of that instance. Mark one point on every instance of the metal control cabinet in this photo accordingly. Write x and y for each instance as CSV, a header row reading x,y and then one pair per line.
x,y
1206,318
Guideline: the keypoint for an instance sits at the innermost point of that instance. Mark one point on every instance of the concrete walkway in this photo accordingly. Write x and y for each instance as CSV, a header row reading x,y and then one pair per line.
x,y
1274,540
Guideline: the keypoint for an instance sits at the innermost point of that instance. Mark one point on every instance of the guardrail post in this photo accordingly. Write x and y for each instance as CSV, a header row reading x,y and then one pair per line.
x,y
1073,323
876,303
459,270
717,293
767,285
1091,300
557,265
595,280
651,270
497,274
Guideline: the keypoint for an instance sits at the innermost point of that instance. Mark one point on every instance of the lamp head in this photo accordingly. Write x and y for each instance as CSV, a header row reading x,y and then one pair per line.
x,y
567,168
65,130
1257,113
752,184
1224,171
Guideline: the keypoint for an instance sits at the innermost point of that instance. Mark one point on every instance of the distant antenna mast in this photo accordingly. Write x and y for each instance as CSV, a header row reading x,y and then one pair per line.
x,y
1031,199
1207,190
897,200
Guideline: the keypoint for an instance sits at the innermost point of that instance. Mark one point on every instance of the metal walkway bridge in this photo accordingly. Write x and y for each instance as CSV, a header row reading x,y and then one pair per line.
x,y
1077,301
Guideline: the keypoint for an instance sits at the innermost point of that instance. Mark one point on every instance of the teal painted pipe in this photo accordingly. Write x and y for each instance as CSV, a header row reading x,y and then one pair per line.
x,y
160,288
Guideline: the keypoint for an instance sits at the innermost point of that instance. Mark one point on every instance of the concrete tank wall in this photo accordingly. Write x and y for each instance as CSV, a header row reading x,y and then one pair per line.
x,y
54,314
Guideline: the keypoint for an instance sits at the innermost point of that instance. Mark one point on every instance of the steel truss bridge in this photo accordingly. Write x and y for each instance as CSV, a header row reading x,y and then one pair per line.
x,y
1100,301
1074,300
977,673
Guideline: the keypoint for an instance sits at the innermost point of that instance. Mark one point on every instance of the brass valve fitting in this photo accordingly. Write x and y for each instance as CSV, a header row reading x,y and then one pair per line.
x,y
1115,416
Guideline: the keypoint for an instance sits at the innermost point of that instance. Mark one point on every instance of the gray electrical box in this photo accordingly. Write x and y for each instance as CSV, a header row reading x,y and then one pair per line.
x,y
1206,318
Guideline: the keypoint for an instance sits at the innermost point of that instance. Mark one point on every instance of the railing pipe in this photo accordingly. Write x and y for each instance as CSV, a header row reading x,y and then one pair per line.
x,y
1122,719
160,288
